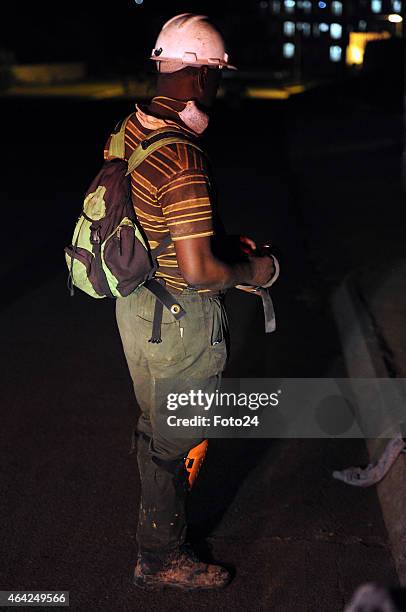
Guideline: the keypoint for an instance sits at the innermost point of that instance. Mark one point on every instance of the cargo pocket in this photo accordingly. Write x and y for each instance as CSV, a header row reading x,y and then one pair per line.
x,y
171,349
219,336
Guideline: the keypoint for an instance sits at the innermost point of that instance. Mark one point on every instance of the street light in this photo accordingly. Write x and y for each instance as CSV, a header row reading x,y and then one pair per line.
x,y
394,18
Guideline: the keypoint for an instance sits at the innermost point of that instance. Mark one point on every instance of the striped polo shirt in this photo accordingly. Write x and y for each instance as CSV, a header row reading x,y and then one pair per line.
x,y
171,195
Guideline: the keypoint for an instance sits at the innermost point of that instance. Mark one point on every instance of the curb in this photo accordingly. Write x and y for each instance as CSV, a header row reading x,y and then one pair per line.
x,y
363,358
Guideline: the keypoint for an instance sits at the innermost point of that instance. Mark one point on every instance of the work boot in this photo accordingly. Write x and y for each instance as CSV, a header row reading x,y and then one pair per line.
x,y
180,569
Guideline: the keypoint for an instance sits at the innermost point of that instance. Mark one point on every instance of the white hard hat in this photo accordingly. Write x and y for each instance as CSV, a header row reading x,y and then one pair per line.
x,y
189,40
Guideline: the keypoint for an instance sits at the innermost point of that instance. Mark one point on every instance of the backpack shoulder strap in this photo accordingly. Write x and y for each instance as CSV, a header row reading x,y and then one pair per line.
x,y
117,143
153,142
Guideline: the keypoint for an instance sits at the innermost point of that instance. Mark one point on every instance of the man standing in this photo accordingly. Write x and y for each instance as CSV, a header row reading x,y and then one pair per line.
x,y
171,193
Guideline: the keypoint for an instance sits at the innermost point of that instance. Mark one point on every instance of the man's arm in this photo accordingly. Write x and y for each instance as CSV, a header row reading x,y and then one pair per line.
x,y
186,204
201,269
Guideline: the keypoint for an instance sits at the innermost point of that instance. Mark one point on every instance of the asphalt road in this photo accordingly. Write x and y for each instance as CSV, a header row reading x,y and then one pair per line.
x,y
297,539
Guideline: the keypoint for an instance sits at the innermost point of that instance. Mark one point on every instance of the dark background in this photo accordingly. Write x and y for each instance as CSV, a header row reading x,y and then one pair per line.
x,y
103,33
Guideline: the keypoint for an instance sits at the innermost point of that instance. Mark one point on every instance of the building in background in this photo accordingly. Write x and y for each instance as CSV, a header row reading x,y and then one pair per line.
x,y
316,37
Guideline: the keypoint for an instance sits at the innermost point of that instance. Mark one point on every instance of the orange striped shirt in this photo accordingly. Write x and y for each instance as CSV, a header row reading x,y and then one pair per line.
x,y
171,196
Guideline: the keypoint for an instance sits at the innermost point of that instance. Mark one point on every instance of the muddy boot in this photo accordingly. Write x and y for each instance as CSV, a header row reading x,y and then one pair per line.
x,y
179,569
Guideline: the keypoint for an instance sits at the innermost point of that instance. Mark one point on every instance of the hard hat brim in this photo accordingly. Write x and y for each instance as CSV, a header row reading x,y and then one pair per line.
x,y
220,65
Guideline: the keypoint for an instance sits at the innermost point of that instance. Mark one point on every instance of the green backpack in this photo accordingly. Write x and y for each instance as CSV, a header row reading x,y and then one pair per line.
x,y
109,255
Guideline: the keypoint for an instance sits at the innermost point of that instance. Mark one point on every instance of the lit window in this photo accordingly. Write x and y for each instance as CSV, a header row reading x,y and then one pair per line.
x,y
289,28
304,27
289,6
336,30
337,8
396,6
288,50
362,25
336,53
376,6
276,7
324,27
306,5
316,29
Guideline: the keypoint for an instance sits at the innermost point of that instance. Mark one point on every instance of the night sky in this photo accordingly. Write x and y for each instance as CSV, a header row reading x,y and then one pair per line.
x,y
115,38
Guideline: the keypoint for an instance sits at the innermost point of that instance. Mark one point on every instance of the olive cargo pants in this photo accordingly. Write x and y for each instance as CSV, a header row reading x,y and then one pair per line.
x,y
194,348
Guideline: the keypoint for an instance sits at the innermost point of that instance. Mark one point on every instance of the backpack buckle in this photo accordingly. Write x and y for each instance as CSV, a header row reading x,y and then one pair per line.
x,y
95,237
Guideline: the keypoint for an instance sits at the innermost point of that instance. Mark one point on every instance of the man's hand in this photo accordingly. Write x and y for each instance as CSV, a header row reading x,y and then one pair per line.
x,y
263,269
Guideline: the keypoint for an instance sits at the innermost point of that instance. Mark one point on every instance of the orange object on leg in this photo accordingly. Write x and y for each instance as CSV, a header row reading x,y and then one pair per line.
x,y
194,460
